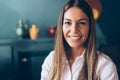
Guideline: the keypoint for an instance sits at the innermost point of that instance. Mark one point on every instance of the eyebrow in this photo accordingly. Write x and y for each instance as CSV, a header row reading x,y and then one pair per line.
x,y
67,19
78,20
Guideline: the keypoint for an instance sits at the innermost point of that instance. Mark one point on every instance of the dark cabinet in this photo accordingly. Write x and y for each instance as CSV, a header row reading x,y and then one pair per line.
x,y
30,65
6,63
22,59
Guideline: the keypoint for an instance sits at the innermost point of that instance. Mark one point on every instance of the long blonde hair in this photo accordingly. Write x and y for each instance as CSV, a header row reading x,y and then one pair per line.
x,y
88,71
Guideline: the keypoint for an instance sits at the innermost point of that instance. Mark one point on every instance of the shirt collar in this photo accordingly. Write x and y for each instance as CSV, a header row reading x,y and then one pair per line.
x,y
77,58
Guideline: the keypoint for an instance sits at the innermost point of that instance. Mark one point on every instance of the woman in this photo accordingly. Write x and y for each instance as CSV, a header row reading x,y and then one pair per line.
x,y
75,56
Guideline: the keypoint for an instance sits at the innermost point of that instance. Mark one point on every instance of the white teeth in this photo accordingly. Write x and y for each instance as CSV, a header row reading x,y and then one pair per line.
x,y
74,37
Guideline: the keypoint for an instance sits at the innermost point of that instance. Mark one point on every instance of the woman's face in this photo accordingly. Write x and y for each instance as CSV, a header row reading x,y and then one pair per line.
x,y
75,27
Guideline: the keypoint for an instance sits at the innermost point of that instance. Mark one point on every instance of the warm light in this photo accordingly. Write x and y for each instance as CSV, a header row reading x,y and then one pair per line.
x,y
96,7
96,13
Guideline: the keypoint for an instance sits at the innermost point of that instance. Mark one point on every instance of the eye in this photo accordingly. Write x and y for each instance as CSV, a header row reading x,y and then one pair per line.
x,y
67,23
82,23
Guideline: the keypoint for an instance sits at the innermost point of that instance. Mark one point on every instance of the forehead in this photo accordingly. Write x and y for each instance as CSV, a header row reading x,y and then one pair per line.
x,y
75,12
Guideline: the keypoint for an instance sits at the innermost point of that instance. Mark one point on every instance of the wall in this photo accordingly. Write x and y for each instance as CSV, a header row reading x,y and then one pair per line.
x,y
43,13
109,21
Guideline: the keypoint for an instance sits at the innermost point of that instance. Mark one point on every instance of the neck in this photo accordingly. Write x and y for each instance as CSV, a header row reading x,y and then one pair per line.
x,y
75,52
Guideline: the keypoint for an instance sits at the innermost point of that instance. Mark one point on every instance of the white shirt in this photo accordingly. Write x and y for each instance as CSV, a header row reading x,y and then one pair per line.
x,y
106,69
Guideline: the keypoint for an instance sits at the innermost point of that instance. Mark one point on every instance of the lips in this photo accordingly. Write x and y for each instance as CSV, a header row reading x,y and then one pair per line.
x,y
74,38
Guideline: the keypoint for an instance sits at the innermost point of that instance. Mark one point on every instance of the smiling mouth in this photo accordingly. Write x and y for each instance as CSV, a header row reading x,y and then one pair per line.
x,y
75,38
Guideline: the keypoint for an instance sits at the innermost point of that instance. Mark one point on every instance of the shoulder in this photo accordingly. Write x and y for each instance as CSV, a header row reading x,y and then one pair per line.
x,y
104,62
106,68
46,66
48,60
103,58
50,55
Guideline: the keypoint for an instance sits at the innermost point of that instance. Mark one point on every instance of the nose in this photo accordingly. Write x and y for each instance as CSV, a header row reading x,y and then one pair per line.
x,y
74,28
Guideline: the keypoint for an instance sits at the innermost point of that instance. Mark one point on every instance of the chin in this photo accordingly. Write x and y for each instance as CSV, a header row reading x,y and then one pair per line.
x,y
75,45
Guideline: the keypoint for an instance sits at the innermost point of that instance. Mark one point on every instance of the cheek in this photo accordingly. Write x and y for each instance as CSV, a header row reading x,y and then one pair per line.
x,y
64,31
85,33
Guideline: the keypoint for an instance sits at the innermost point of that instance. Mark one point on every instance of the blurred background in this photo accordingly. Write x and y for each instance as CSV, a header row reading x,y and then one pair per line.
x,y
21,55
